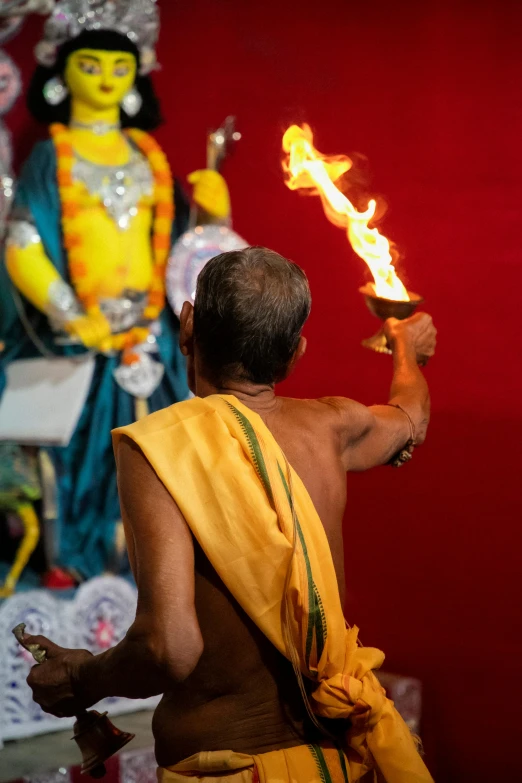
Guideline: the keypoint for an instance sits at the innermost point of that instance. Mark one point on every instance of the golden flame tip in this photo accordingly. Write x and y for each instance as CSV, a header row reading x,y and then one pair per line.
x,y
306,168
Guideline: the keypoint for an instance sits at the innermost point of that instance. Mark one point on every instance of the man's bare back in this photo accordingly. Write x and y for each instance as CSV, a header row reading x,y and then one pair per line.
x,y
243,694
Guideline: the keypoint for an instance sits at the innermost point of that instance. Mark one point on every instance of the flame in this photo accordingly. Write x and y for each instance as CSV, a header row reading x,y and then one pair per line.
x,y
306,168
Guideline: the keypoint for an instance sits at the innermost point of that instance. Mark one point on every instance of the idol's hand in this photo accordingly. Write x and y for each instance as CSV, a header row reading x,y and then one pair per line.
x,y
55,682
417,332
210,192
91,330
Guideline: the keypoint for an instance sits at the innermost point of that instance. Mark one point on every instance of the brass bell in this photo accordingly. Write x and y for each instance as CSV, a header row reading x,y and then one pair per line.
x,y
98,739
95,735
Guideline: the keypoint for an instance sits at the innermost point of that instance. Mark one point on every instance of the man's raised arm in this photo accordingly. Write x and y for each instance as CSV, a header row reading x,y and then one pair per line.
x,y
373,436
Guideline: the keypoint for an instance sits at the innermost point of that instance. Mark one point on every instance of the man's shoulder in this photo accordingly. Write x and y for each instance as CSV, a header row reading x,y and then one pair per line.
x,y
340,416
327,407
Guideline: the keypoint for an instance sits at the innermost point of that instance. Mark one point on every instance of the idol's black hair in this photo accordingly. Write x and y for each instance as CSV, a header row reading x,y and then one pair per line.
x,y
147,119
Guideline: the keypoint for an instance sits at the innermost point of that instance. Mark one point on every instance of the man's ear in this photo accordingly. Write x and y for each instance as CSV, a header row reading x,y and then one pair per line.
x,y
298,354
301,349
186,332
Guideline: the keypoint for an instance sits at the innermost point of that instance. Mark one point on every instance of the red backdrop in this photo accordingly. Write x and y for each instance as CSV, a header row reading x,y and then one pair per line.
x,y
430,92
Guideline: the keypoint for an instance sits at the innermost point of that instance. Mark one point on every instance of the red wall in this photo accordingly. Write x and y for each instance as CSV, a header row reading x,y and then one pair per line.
x,y
431,93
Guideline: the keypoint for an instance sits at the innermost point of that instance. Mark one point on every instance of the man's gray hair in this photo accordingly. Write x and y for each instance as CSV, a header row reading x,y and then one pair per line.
x,y
250,308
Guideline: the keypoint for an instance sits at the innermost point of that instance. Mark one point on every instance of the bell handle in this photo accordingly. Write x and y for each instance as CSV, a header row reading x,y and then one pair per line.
x,y
38,652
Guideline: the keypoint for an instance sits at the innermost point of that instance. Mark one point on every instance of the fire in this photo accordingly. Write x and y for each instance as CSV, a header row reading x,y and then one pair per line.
x,y
306,168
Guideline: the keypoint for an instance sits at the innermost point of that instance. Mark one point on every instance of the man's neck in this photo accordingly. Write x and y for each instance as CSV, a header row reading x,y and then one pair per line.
x,y
259,397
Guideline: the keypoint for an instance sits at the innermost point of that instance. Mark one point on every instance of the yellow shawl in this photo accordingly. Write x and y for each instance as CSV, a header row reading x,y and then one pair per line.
x,y
257,525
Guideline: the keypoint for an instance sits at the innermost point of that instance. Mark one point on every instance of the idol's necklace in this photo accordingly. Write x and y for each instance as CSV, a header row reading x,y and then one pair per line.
x,y
98,128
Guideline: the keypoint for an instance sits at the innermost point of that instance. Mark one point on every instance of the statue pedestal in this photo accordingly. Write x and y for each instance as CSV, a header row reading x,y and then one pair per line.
x,y
95,618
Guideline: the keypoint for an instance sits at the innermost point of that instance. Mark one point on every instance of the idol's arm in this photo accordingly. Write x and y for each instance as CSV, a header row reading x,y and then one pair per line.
x,y
35,276
371,436
29,268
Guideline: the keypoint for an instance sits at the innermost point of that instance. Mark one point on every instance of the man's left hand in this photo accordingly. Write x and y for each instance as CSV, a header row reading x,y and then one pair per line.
x,y
55,683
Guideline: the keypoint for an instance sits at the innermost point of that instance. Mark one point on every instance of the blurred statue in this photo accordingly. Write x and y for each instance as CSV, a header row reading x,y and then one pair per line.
x,y
10,88
13,13
19,489
24,7
208,236
94,217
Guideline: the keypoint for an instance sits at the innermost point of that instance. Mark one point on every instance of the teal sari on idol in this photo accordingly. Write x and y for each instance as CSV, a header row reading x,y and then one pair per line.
x,y
88,506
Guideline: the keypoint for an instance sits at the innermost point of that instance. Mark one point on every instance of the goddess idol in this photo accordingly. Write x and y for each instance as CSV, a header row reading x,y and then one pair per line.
x,y
95,214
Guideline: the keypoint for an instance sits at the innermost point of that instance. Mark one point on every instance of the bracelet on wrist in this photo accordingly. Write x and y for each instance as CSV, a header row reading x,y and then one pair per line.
x,y
406,453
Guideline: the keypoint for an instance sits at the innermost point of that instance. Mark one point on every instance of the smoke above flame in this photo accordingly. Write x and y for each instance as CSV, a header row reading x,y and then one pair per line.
x,y
307,169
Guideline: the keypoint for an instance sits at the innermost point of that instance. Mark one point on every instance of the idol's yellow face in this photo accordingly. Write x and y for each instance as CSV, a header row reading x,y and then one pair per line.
x,y
98,78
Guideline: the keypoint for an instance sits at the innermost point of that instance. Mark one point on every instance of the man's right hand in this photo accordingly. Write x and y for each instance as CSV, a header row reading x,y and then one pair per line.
x,y
373,436
417,333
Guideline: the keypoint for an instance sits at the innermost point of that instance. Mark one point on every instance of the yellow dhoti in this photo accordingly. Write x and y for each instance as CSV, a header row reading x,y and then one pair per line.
x,y
302,764
256,523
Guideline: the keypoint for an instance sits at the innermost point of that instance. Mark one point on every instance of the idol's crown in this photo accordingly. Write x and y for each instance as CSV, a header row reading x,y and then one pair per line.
x,y
137,19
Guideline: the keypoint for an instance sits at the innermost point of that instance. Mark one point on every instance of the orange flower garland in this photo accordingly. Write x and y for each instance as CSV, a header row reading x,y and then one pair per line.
x,y
161,232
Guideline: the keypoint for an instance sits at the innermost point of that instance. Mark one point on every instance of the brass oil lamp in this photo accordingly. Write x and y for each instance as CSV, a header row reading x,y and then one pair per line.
x,y
386,308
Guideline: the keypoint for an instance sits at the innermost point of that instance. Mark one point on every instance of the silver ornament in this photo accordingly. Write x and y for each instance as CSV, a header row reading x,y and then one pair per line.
x,y
132,102
55,91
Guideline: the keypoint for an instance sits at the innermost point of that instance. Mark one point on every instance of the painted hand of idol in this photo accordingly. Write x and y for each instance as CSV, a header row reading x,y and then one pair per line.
x,y
55,681
210,192
418,331
91,330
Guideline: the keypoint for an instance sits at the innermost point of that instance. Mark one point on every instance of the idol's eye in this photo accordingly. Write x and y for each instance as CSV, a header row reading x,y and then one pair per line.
x,y
87,66
122,70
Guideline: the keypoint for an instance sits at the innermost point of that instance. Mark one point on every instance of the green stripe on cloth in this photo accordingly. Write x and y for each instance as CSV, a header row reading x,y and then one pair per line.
x,y
322,766
255,450
311,587
316,615
320,624
342,761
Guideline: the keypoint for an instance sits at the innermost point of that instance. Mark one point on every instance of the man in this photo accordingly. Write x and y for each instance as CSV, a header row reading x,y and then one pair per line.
x,y
239,621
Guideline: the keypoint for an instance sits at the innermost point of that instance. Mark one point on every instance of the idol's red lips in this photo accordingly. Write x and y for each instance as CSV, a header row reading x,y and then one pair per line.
x,y
106,88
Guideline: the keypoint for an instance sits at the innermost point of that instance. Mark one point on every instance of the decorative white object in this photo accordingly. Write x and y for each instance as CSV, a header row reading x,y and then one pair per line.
x,y
10,83
138,767
129,766
189,255
63,776
6,179
43,400
9,27
96,618
406,693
